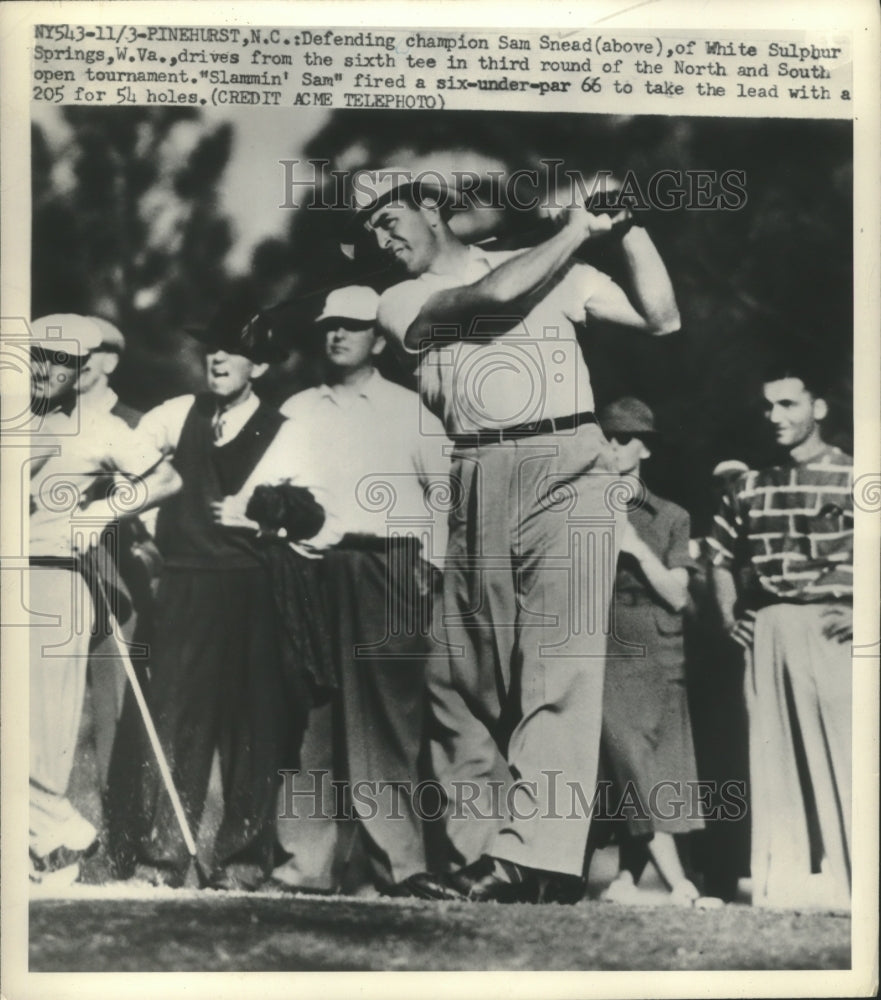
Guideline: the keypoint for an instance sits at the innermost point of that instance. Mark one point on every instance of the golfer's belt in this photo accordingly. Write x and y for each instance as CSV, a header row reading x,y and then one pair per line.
x,y
551,425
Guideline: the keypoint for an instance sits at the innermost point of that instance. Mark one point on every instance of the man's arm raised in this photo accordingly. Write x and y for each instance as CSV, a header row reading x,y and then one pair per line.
x,y
654,310
502,297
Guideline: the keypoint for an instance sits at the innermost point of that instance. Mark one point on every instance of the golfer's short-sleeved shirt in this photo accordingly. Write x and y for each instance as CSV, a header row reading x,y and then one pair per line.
x,y
70,450
533,371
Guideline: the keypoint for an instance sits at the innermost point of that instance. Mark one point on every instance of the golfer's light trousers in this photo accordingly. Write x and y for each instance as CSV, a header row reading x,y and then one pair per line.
x,y
527,589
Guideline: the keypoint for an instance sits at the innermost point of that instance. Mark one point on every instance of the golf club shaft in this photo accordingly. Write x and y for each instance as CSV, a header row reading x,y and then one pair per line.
x,y
153,736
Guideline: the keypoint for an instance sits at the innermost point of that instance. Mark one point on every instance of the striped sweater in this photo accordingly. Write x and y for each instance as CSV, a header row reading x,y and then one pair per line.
x,y
792,525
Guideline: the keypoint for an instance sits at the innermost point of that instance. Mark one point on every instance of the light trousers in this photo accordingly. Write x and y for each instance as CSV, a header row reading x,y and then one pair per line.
x,y
798,689
527,590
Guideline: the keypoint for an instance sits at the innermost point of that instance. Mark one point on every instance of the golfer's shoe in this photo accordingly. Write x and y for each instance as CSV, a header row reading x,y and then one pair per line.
x,y
54,881
507,882
396,890
56,823
495,880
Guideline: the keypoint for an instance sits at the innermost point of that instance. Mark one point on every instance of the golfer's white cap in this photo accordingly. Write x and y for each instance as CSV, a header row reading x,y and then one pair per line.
x,y
355,303
373,188
69,333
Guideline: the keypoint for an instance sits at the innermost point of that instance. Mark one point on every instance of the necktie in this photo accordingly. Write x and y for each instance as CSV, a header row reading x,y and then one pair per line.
x,y
219,427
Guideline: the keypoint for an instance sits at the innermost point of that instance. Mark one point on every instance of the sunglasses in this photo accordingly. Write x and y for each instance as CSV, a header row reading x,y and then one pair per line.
x,y
624,439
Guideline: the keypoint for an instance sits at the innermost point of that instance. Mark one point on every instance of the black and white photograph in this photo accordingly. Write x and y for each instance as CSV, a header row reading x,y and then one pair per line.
x,y
445,524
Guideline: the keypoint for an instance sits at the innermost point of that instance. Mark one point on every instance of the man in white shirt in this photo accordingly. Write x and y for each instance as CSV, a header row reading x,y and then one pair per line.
x,y
72,447
93,385
373,455
494,338
127,557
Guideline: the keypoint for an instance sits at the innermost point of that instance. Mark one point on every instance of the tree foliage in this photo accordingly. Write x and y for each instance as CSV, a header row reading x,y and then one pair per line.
x,y
126,226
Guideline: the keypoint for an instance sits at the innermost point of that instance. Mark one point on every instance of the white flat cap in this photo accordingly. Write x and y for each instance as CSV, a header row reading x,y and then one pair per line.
x,y
69,333
354,302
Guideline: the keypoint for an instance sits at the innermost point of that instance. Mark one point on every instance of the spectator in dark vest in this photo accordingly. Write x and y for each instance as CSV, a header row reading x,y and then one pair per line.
x,y
216,680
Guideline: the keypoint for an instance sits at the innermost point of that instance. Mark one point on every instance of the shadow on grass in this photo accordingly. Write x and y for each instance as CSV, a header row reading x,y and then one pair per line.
x,y
223,933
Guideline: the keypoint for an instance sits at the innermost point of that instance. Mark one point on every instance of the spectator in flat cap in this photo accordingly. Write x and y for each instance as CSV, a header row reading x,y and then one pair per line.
x,y
647,739
73,447
128,559
356,439
217,684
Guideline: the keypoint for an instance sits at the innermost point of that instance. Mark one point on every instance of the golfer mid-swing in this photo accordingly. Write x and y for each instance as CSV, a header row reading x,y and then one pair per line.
x,y
494,338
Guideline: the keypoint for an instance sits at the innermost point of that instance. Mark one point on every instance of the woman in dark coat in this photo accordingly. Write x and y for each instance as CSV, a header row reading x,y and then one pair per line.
x,y
648,747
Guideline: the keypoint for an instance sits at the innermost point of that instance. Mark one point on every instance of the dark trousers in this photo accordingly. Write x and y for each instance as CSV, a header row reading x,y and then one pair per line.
x,y
379,611
718,712
216,685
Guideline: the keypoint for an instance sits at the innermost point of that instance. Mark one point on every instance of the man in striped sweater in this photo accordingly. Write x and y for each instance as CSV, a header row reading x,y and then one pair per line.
x,y
791,527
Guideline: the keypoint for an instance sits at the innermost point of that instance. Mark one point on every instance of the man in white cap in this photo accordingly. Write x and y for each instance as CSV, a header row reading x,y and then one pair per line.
x,y
128,559
494,338
373,454
71,447
93,385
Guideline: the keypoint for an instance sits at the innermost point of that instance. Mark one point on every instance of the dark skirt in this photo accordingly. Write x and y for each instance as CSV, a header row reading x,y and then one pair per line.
x,y
648,750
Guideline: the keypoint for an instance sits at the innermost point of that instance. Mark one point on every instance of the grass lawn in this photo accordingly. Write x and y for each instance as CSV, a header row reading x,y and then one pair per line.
x,y
122,928
188,930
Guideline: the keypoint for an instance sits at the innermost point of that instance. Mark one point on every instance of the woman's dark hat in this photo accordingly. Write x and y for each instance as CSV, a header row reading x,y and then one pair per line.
x,y
628,415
